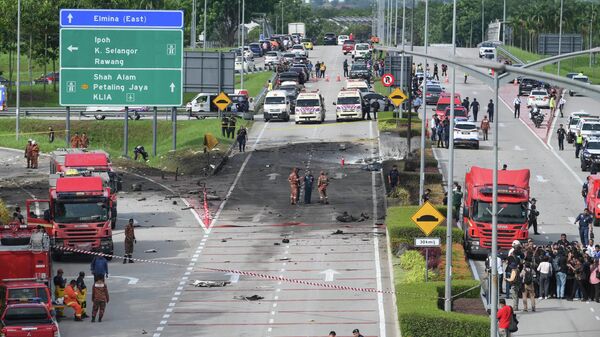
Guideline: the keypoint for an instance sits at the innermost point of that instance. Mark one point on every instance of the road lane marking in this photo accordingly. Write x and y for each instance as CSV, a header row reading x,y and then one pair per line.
x,y
518,148
541,179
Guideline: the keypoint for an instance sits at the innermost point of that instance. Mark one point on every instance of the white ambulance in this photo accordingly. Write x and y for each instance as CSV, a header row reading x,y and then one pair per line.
x,y
310,107
349,105
276,106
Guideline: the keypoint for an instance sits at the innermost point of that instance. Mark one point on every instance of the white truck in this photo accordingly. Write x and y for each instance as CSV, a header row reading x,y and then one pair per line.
x,y
297,28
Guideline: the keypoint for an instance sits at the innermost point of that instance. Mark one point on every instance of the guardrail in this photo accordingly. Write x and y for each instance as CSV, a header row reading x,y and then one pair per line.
x,y
509,54
79,112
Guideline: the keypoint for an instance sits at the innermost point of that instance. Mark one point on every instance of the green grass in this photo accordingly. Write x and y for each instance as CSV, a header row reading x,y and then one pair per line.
x,y
254,82
579,64
37,69
108,135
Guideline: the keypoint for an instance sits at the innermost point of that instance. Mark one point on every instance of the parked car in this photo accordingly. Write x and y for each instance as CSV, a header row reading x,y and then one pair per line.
x,y
433,93
248,64
360,70
384,102
341,39
48,78
329,39
590,154
272,57
308,44
527,84
538,97
466,134
348,46
256,49
580,78
299,50
28,319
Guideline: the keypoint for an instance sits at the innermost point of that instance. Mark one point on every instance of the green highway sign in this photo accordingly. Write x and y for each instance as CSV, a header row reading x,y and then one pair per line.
x,y
117,48
108,87
109,59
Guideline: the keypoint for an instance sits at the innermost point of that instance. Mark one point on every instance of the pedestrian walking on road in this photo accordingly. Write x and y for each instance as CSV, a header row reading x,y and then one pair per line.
x,y
393,178
435,71
561,134
70,299
578,143
595,278
231,127
322,183
323,69
99,267
485,127
515,284
129,242
50,134
294,181
504,315
269,87
439,130
490,110
532,216
99,299
242,138
444,70
466,76
28,152
35,154
224,125
553,105
318,69
517,104
446,132
561,105
584,221
75,140
528,279
465,104
475,109
82,294
560,267
545,270
345,65
308,183
578,271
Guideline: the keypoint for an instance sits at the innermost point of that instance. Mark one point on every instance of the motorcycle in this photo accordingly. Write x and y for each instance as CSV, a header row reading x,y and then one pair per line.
x,y
536,116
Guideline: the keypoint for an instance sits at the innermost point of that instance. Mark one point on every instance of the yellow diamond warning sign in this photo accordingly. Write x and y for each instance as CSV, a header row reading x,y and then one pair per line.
x,y
222,101
427,218
397,96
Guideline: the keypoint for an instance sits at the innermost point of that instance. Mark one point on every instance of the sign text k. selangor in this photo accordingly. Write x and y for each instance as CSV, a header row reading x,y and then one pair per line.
x,y
121,57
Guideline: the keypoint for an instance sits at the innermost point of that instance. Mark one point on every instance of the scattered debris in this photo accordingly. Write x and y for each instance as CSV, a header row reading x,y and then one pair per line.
x,y
174,202
136,187
210,284
277,244
285,240
372,167
141,199
144,332
345,217
338,232
186,208
212,197
150,250
248,298
223,240
285,259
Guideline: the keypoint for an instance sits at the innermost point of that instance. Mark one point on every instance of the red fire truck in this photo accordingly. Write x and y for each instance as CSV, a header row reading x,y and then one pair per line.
x,y
513,202
592,198
96,162
77,214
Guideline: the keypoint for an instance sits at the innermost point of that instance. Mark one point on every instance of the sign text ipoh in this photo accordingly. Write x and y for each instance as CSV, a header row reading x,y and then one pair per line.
x,y
121,58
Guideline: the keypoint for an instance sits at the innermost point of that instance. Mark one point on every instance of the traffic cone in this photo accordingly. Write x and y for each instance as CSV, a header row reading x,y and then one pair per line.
x,y
338,78
342,162
326,78
515,82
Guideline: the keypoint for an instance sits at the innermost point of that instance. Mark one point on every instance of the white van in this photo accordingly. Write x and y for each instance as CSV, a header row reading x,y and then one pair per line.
x,y
349,105
310,107
357,84
361,50
276,106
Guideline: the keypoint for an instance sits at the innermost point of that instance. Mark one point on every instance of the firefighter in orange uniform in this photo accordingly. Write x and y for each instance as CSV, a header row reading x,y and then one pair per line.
x,y
75,141
28,152
84,141
322,184
34,154
71,299
294,183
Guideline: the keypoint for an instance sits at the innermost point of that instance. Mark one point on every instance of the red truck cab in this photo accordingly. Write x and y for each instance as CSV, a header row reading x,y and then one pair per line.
x,y
513,204
592,198
77,214
444,102
28,319
96,162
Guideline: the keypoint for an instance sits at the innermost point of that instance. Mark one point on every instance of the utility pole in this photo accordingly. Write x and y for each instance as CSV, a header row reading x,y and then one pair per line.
x,y
193,26
412,26
396,27
243,26
205,32
380,20
503,26
402,75
482,21
282,31
450,179
560,37
591,33
18,98
494,253
424,118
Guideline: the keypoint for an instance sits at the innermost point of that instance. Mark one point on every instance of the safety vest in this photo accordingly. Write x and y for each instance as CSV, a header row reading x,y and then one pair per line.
x,y
579,139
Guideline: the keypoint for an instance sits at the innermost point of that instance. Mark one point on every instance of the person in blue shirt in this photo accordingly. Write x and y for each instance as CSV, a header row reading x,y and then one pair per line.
x,y
99,267
584,220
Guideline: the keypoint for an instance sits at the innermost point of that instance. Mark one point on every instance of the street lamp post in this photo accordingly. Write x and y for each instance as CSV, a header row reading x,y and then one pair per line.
x,y
494,252
590,33
424,118
560,37
402,75
205,34
18,98
396,27
482,21
504,23
412,26
193,26
243,27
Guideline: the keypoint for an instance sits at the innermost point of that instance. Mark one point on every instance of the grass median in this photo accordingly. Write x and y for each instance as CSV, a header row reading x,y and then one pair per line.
x,y
108,136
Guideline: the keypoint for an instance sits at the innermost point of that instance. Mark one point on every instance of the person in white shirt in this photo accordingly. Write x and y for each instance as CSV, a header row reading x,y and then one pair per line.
x,y
545,269
499,268
561,105
517,104
590,249
434,122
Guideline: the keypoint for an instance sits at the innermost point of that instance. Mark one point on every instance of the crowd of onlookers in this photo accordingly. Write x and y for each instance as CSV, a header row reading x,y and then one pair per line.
x,y
561,270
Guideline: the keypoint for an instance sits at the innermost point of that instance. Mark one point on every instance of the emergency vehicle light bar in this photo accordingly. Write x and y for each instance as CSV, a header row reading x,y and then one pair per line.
x,y
503,190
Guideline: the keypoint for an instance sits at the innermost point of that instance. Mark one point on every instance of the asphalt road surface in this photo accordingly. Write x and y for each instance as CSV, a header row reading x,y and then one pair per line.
x,y
556,181
244,241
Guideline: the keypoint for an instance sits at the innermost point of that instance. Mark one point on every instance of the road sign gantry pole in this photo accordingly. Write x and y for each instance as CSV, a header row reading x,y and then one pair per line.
x,y
494,253
126,132
154,127
424,116
18,98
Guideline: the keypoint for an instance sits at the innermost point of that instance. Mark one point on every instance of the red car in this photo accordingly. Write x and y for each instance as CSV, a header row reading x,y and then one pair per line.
x,y
348,46
444,102
28,319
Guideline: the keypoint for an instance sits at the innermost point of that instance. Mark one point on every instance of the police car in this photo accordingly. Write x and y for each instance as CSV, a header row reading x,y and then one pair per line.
x,y
466,133
590,155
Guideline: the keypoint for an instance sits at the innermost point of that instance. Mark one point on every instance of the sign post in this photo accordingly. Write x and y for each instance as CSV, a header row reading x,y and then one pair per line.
x,y
427,218
121,58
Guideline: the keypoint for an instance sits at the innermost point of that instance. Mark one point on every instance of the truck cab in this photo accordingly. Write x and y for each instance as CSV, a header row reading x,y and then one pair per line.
x,y
77,214
310,107
513,204
28,319
349,105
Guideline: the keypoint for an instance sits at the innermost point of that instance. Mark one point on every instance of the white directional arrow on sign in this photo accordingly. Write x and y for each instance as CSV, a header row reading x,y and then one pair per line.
x,y
72,48
172,86
233,278
272,176
70,17
329,274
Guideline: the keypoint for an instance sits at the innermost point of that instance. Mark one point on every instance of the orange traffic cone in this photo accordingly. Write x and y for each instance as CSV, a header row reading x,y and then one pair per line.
x,y
326,78
338,78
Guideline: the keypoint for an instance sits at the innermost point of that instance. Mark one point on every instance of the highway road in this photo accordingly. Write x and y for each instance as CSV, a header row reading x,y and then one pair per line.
x,y
255,232
556,181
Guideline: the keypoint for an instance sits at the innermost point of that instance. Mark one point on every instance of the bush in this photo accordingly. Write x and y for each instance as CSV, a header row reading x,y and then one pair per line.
x,y
402,195
5,215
